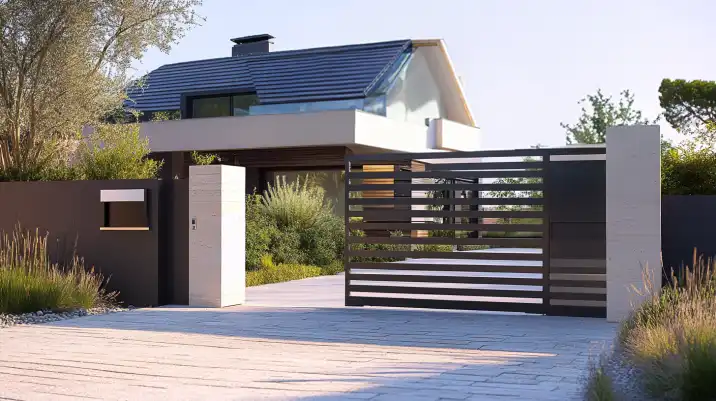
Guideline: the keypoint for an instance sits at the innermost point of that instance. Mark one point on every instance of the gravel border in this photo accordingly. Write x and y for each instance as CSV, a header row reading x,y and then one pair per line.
x,y
625,377
39,317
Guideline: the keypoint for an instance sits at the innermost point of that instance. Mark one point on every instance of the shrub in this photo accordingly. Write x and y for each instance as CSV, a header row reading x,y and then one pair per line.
x,y
115,152
260,232
30,282
377,247
433,248
286,246
295,204
472,247
688,169
324,243
204,159
332,269
293,224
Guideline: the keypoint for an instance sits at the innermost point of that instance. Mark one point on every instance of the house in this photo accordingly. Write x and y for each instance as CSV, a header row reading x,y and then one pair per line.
x,y
288,112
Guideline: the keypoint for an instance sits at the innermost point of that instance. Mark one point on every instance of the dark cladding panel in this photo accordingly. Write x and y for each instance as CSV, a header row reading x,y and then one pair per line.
x,y
687,223
577,191
578,241
72,213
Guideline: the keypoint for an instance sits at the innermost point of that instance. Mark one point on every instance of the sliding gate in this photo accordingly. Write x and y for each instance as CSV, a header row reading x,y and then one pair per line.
x,y
509,230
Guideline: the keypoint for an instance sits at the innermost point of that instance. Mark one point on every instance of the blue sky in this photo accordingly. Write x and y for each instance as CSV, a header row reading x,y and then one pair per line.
x,y
524,64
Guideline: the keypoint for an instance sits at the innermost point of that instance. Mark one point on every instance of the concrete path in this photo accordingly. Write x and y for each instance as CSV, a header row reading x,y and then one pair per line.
x,y
317,292
274,353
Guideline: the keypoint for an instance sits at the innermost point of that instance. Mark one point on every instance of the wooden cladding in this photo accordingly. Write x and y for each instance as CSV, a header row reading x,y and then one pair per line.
x,y
462,231
308,157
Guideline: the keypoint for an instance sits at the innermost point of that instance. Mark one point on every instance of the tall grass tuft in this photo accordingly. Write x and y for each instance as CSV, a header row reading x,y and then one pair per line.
x,y
600,386
671,338
29,281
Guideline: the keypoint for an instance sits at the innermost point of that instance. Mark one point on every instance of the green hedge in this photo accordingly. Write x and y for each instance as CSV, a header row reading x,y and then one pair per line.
x,y
268,272
688,169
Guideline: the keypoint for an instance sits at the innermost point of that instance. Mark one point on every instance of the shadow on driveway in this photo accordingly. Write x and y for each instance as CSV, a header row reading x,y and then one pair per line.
x,y
372,326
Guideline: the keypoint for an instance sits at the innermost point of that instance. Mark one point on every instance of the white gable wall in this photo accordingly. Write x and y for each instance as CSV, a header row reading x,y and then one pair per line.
x,y
416,94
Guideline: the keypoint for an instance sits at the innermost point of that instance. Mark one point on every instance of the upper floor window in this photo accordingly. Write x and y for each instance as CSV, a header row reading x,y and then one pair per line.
x,y
222,105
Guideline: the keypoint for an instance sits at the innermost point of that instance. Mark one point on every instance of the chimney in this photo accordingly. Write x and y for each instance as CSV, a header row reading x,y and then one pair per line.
x,y
251,45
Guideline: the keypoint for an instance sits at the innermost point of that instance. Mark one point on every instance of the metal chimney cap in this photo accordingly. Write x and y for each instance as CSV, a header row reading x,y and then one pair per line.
x,y
252,39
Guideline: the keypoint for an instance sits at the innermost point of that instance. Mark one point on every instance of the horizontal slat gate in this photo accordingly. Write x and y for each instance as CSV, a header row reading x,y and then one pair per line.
x,y
455,231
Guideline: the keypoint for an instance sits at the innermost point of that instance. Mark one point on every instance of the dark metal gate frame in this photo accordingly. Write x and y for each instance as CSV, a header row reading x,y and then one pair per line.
x,y
379,214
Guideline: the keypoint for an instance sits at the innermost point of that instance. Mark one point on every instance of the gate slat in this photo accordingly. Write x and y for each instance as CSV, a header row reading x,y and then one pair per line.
x,y
448,255
397,213
445,304
474,267
447,279
501,242
469,292
438,226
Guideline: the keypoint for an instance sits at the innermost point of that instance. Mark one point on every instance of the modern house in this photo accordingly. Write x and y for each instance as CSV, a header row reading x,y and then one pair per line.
x,y
286,112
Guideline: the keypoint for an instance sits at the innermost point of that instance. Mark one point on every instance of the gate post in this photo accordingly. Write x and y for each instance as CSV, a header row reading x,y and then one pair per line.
x,y
633,215
546,236
217,235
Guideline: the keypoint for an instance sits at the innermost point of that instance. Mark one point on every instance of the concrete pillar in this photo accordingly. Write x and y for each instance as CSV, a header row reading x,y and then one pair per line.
x,y
633,215
217,235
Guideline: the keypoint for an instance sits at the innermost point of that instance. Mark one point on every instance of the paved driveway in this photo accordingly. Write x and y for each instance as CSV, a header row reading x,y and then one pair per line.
x,y
276,353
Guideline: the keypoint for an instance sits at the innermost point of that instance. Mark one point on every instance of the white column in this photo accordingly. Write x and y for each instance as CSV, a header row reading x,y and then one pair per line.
x,y
217,235
633,215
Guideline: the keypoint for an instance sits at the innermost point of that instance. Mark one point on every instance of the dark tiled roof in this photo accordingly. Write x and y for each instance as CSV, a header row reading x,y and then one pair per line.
x,y
329,73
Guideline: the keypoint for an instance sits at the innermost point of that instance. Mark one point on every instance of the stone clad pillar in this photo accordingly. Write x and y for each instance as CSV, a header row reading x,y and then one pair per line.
x,y
633,215
217,235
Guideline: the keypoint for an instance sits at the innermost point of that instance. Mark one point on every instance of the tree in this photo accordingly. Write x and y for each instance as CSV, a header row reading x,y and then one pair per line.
x,y
601,112
689,106
64,64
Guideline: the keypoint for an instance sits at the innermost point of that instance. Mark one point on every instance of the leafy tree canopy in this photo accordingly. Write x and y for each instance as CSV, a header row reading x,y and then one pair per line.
x,y
600,112
689,106
64,64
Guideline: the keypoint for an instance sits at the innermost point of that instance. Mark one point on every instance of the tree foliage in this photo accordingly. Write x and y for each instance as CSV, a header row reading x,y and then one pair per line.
x,y
204,159
689,106
689,168
114,152
64,63
600,112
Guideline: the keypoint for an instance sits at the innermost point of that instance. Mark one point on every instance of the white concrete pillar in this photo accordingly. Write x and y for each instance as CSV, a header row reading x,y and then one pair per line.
x,y
217,235
633,215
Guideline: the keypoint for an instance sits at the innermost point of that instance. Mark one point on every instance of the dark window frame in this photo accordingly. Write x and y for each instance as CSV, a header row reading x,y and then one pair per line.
x,y
187,99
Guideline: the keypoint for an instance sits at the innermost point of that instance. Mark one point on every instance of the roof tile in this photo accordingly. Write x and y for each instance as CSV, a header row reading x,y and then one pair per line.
x,y
340,72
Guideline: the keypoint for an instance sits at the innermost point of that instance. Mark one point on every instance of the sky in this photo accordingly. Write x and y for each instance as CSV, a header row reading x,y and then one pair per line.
x,y
524,64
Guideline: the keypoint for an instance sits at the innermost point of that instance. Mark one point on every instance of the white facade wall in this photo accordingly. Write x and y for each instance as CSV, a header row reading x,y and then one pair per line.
x,y
325,128
416,94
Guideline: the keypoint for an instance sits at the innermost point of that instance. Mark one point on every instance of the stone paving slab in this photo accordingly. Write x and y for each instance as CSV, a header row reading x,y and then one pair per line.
x,y
273,353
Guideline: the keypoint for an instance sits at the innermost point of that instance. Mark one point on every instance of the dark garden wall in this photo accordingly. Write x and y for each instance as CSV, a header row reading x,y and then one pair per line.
x,y
136,261
175,195
687,222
